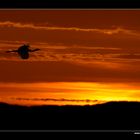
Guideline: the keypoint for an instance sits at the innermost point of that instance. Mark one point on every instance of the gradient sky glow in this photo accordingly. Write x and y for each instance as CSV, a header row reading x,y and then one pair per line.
x,y
86,56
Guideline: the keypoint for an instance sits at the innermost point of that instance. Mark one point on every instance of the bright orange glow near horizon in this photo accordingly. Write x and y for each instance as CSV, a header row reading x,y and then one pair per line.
x,y
68,93
85,57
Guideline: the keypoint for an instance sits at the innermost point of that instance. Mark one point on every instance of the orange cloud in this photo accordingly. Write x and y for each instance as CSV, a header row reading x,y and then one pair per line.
x,y
38,27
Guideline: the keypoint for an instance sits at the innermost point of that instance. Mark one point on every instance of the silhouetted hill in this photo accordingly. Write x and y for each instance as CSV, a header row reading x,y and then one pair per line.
x,y
108,116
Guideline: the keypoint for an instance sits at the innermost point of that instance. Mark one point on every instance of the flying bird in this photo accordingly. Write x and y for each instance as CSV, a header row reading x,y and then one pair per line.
x,y
23,51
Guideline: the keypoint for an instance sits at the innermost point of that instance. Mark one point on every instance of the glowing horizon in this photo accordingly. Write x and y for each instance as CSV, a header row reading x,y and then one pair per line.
x,y
67,93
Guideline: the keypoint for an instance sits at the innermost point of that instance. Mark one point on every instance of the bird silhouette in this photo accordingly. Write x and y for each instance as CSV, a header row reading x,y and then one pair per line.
x,y
23,51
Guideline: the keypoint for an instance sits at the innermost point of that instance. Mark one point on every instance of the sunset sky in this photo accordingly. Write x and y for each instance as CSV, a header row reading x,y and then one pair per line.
x,y
86,56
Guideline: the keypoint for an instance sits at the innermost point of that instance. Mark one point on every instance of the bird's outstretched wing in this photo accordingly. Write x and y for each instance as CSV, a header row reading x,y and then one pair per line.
x,y
34,50
11,51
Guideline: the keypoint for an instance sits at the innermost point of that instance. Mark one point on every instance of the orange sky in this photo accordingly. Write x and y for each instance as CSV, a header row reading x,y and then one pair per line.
x,y
77,46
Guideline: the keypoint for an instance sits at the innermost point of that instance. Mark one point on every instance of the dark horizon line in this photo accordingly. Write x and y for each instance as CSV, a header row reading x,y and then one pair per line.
x,y
85,105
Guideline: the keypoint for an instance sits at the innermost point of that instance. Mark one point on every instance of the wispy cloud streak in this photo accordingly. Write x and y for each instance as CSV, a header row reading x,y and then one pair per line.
x,y
38,27
52,99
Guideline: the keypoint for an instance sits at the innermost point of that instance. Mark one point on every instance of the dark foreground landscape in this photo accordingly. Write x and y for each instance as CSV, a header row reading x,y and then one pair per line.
x,y
108,116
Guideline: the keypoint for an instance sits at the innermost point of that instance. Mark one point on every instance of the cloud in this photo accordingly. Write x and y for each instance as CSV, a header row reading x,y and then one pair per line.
x,y
60,52
53,99
56,52
128,56
118,37
38,27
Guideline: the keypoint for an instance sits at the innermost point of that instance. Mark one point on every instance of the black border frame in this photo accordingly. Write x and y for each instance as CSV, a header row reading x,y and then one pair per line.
x,y
49,4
